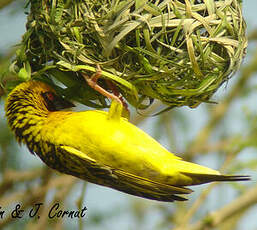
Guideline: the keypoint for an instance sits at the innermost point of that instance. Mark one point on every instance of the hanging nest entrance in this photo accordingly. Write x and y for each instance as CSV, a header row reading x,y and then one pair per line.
x,y
177,51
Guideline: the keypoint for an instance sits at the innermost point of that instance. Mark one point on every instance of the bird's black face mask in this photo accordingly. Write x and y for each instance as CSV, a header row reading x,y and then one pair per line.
x,y
55,102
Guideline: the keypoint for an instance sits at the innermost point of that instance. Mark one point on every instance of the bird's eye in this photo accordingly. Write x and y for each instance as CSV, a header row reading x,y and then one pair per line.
x,y
50,96
54,102
49,99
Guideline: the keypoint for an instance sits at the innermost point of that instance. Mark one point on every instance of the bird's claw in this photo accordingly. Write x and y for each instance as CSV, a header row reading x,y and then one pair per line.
x,y
115,96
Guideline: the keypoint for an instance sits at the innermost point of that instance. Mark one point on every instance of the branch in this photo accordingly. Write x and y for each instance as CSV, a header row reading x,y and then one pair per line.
x,y
35,194
214,219
11,177
197,204
4,3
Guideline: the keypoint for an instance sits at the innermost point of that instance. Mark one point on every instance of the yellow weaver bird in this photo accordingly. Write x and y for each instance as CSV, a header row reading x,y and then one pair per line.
x,y
100,147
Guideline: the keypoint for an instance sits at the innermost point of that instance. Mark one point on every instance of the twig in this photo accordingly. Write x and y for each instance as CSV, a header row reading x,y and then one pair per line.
x,y
80,203
11,177
238,205
4,3
59,196
203,195
197,204
28,198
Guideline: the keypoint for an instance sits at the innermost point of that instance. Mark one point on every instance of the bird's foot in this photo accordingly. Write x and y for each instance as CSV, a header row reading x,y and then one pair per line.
x,y
92,82
115,96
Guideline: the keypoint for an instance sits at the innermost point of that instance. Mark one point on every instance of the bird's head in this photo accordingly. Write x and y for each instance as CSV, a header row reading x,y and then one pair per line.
x,y
28,105
35,95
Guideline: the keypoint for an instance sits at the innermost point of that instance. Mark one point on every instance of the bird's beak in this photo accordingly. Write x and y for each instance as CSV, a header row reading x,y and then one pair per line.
x,y
61,103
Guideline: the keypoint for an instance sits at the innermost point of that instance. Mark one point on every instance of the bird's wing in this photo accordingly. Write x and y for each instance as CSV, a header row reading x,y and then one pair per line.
x,y
81,165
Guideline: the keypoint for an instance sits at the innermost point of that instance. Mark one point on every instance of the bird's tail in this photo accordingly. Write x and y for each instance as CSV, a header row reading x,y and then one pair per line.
x,y
206,178
197,174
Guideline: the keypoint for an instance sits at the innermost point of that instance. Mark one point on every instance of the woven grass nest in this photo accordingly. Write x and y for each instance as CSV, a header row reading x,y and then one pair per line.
x,y
177,51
